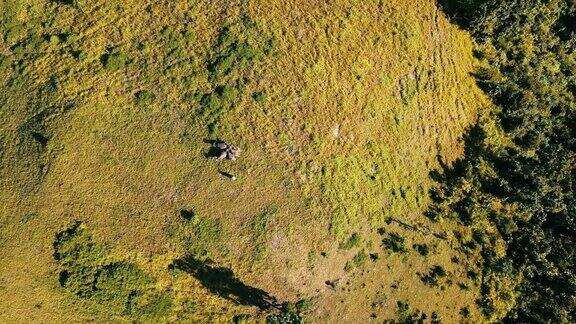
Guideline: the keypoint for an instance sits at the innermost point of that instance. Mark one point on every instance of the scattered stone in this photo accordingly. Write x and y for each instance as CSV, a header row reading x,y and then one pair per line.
x,y
336,131
227,151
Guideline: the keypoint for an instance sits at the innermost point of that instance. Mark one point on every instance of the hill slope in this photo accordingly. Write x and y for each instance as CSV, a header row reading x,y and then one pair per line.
x,y
341,108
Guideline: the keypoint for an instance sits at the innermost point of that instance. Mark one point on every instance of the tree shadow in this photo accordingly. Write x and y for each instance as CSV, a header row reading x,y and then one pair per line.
x,y
449,176
462,12
222,282
473,150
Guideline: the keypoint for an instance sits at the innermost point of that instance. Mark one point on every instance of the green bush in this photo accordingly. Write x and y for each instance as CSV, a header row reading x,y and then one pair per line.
x,y
352,242
432,277
121,287
360,258
422,249
144,98
290,313
115,60
394,243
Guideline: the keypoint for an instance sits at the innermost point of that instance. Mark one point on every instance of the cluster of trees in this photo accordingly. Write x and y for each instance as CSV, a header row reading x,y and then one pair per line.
x,y
515,189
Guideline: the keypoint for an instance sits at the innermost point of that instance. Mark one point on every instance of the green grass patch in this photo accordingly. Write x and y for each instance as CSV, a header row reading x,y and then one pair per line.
x,y
201,237
115,60
259,232
117,287
352,242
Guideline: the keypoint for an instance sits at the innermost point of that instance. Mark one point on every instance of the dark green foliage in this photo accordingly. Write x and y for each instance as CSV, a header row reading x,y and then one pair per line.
x,y
116,284
259,96
394,243
241,319
405,315
432,277
119,286
353,241
290,313
422,249
236,54
74,246
523,188
465,312
187,214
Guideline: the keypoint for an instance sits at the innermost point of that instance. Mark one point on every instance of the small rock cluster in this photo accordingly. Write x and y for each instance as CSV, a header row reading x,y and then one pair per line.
x,y
227,151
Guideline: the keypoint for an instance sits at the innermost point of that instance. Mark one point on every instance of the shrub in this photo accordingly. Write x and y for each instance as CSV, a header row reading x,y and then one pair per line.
x,y
353,241
394,243
259,96
144,98
115,60
290,313
422,249
360,258
515,185
432,277
120,287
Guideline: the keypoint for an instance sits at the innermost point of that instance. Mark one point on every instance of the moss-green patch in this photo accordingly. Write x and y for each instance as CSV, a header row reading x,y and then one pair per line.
x,y
259,230
240,48
120,287
201,237
144,98
114,60
351,242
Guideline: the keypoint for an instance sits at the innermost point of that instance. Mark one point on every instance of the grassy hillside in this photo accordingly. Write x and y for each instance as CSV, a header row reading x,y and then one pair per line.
x,y
342,110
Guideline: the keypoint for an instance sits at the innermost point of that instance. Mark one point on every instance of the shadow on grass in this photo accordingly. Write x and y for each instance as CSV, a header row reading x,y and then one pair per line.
x,y
463,12
213,152
222,282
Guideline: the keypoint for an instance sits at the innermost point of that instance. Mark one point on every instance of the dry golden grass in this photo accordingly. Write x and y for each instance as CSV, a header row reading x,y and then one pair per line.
x,y
361,99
